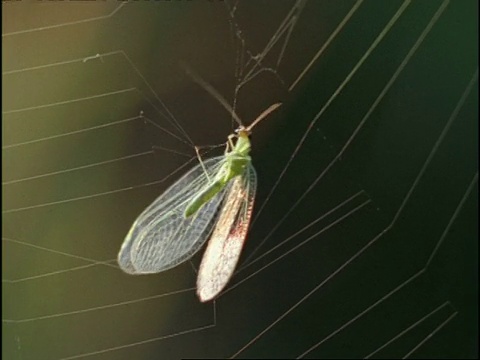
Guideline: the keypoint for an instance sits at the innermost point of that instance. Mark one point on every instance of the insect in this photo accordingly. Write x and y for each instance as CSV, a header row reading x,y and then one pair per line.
x,y
213,200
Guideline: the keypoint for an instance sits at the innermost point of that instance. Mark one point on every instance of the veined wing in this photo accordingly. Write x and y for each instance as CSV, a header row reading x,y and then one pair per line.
x,y
226,243
161,238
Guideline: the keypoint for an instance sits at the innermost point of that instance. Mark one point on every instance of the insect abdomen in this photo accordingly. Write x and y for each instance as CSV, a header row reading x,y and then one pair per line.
x,y
203,197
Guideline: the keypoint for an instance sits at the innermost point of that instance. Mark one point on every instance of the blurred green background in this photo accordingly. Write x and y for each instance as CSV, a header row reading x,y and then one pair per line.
x,y
365,237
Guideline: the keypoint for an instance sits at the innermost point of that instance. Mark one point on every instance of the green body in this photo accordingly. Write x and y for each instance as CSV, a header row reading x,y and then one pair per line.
x,y
236,162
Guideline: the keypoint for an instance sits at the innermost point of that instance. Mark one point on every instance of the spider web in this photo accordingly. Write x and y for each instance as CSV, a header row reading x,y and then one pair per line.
x,y
364,235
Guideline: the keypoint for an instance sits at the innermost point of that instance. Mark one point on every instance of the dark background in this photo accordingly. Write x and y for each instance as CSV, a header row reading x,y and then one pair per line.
x,y
369,238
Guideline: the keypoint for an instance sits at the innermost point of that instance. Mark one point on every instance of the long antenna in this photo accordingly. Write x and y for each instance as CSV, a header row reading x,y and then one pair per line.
x,y
263,115
212,92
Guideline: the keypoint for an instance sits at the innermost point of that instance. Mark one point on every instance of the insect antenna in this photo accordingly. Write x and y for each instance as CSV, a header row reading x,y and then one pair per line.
x,y
212,92
263,115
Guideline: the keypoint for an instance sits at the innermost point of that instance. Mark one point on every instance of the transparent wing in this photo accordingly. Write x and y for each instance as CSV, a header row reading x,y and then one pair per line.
x,y
161,238
226,243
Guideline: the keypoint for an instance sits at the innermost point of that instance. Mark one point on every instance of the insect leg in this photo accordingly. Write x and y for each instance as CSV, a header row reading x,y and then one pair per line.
x,y
201,163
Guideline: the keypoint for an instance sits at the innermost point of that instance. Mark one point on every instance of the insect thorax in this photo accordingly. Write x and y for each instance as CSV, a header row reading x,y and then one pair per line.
x,y
235,165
